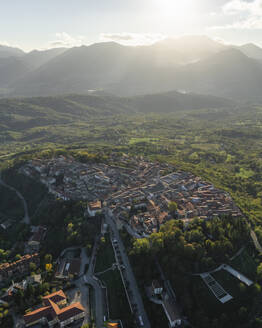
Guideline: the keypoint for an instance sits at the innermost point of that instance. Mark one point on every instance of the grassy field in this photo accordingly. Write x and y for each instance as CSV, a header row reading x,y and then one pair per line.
x,y
118,304
117,300
106,256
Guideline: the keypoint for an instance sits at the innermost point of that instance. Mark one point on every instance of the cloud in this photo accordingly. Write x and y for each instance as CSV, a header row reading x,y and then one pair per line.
x,y
64,39
245,14
132,39
251,23
5,43
236,7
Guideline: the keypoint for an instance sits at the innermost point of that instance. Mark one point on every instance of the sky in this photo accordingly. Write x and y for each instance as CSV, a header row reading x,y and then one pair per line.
x,y
43,24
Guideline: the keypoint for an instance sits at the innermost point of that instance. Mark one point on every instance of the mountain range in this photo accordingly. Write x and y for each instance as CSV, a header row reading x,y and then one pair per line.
x,y
192,64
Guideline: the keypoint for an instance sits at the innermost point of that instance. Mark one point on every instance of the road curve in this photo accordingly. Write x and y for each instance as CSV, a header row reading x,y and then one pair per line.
x,y
26,219
94,282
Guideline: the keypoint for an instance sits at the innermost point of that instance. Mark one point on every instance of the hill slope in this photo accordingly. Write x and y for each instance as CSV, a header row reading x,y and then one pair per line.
x,y
36,58
229,74
24,113
6,51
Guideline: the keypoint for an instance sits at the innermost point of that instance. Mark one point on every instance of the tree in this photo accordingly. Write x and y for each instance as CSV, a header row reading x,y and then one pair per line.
x,y
256,289
141,246
259,271
172,207
242,313
157,242
48,258
48,266
242,288
32,266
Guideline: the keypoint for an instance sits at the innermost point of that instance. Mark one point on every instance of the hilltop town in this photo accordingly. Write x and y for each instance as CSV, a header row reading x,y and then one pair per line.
x,y
137,191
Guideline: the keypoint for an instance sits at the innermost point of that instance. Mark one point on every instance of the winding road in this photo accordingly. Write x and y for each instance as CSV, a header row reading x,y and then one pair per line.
x,y
26,218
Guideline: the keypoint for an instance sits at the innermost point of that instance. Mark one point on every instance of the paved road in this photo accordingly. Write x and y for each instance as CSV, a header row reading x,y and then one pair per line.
x,y
238,275
255,241
26,219
99,297
132,232
136,297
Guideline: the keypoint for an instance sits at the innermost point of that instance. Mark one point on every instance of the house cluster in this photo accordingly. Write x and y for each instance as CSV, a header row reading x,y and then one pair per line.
x,y
19,267
55,312
69,179
146,207
136,190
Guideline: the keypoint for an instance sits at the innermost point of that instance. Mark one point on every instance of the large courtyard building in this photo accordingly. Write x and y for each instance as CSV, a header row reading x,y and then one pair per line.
x,y
55,312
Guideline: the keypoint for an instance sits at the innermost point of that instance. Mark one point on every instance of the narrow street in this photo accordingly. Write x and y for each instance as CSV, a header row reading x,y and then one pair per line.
x,y
141,316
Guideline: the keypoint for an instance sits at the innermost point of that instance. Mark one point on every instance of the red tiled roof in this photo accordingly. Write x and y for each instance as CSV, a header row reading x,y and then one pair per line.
x,y
60,294
37,314
24,259
52,310
70,311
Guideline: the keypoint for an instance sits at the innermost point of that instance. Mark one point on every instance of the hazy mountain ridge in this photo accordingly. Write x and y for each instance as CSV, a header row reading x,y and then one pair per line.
x,y
37,58
6,51
194,64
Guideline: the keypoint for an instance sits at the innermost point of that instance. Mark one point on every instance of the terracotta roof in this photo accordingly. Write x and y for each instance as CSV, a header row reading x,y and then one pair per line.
x,y
59,293
24,259
37,314
95,205
52,310
112,325
70,311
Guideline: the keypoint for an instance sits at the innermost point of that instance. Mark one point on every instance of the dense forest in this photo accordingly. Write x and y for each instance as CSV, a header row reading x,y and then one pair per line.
x,y
201,247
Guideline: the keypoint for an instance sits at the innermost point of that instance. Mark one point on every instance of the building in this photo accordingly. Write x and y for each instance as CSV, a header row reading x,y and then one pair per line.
x,y
94,208
157,288
19,267
37,237
114,324
13,289
55,312
68,268
171,310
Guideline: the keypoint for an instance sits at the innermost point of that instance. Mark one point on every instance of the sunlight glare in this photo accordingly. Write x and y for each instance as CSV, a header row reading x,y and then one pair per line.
x,y
178,9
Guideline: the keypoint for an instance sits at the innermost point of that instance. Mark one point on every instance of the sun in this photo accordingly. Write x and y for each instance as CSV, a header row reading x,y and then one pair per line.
x,y
178,9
